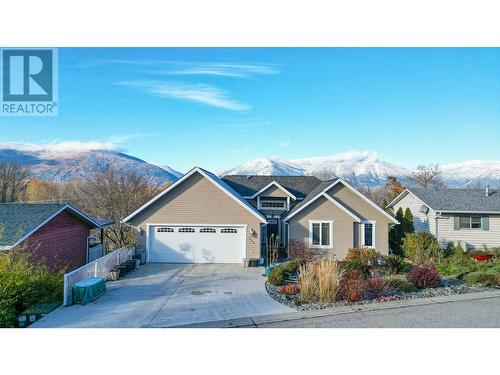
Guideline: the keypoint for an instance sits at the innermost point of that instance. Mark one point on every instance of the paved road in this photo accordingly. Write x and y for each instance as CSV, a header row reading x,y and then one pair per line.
x,y
474,310
481,313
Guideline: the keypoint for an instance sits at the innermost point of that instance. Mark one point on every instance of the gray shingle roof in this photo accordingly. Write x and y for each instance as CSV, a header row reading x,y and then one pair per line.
x,y
300,186
473,200
19,219
320,187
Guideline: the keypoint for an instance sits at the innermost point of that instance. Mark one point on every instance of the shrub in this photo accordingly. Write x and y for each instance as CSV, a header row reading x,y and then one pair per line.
x,y
23,284
401,282
453,269
378,286
395,264
358,259
289,289
423,248
486,278
329,275
307,283
353,286
301,250
278,274
424,277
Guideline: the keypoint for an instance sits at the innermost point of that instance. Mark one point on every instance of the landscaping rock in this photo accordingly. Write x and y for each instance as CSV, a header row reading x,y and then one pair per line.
x,y
448,286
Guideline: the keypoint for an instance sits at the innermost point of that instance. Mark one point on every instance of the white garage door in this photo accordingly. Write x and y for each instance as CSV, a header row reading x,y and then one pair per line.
x,y
197,244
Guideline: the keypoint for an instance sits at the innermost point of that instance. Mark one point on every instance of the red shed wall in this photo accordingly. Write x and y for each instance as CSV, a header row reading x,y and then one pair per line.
x,y
61,242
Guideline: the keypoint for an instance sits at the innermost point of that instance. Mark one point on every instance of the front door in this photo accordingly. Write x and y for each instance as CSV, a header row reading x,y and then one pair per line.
x,y
272,228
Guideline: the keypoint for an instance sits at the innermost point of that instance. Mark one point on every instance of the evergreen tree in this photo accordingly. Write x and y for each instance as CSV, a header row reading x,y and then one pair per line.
x,y
408,226
396,233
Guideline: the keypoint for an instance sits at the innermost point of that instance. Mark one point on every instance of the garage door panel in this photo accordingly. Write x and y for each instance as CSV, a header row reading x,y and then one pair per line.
x,y
197,244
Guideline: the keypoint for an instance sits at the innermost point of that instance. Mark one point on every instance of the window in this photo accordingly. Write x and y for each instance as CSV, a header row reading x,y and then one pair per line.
x,y
272,205
186,230
229,230
164,230
321,233
207,230
470,222
368,234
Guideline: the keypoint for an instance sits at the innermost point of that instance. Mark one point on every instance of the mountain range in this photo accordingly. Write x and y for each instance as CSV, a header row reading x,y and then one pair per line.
x,y
367,169
67,166
360,168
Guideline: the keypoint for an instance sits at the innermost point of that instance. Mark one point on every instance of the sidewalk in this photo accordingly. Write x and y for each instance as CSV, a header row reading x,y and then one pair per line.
x,y
256,321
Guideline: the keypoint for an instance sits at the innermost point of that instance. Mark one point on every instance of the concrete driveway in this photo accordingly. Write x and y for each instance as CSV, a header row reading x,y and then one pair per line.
x,y
164,295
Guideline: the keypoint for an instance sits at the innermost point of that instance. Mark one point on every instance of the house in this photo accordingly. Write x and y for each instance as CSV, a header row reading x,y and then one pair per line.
x,y
58,234
202,218
468,216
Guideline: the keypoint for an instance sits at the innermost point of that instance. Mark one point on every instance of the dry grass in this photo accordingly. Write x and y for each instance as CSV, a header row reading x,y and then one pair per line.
x,y
329,275
307,283
320,281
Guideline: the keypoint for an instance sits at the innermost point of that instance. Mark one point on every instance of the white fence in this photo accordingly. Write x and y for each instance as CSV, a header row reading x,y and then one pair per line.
x,y
98,268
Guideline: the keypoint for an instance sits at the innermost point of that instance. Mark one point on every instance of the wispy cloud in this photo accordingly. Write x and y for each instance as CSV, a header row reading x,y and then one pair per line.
x,y
186,68
199,93
226,70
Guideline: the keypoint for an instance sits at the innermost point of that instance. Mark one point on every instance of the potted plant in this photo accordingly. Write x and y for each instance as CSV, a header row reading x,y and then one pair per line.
x,y
137,260
271,253
114,274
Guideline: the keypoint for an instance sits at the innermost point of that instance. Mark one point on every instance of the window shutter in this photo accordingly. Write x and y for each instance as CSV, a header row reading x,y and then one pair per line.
x,y
485,223
457,222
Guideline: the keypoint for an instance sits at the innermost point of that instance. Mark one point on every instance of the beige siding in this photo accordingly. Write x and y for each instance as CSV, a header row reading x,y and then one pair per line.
x,y
273,191
422,222
365,211
198,201
475,238
323,209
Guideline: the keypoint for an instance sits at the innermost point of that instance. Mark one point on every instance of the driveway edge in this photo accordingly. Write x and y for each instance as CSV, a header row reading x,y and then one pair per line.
x,y
255,321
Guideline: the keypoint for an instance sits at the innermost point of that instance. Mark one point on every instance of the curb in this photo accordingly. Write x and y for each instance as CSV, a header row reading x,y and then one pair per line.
x,y
255,321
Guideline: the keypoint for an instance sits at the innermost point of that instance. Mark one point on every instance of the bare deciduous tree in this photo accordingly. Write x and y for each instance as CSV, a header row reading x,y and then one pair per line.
x,y
113,196
13,181
428,176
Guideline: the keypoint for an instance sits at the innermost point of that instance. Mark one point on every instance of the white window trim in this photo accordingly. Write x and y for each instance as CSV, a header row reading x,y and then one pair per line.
x,y
363,233
311,222
260,200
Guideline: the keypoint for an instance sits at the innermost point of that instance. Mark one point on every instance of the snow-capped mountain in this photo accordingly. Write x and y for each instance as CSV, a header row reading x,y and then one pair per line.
x,y
361,168
172,171
267,167
472,173
367,169
73,165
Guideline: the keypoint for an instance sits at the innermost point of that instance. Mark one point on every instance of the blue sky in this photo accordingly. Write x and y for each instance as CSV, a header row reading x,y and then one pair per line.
x,y
219,107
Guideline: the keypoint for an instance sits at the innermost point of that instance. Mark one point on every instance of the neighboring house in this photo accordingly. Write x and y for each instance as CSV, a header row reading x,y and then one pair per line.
x,y
469,216
58,234
202,218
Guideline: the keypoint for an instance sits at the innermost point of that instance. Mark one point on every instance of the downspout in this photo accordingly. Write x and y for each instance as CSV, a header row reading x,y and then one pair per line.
x,y
436,225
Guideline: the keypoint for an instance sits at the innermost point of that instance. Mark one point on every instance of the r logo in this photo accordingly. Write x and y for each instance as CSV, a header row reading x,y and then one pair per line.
x,y
27,75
